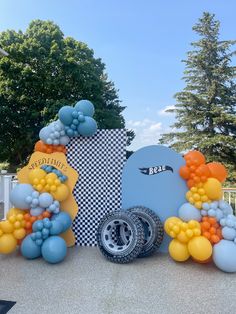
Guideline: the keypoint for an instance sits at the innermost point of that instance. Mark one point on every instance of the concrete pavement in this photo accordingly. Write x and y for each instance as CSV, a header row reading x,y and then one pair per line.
x,y
87,283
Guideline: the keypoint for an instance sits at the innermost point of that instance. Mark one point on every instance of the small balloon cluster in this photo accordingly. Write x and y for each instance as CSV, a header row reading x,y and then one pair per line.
x,y
73,121
205,228
39,218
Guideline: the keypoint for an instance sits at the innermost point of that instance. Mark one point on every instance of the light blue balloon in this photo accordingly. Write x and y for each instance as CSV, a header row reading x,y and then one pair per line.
x,y
229,222
88,127
64,140
224,255
58,126
36,211
64,218
214,205
188,212
56,228
19,194
203,212
219,214
227,209
86,107
212,212
54,249
229,233
44,133
223,222
29,249
45,200
205,206
65,115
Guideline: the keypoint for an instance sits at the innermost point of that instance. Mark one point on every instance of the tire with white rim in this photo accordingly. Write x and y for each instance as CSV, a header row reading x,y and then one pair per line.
x,y
109,240
153,230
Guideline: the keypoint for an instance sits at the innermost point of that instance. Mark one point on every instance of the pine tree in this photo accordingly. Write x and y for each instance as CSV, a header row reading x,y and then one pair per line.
x,y
206,108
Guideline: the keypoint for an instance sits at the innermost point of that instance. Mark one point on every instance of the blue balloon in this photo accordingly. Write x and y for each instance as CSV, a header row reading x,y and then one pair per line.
x,y
86,107
64,140
64,218
37,225
188,212
29,249
45,200
47,223
45,133
56,228
224,256
228,233
225,207
36,211
54,249
19,194
217,209
88,127
65,115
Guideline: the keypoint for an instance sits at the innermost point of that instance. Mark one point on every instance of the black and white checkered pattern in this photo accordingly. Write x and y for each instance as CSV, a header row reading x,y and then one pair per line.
x,y
99,161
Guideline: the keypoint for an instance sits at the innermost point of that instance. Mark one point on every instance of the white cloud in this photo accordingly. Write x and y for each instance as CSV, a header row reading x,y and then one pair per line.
x,y
147,132
163,111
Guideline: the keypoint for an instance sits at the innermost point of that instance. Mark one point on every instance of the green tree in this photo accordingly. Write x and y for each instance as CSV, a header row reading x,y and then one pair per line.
x,y
206,108
45,70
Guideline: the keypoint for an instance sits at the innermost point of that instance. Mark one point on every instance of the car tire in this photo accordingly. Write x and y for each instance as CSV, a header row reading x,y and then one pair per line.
x,y
109,240
153,229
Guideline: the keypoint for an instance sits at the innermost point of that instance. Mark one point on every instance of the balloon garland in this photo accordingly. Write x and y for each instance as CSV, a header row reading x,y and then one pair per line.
x,y
44,208
205,228
41,216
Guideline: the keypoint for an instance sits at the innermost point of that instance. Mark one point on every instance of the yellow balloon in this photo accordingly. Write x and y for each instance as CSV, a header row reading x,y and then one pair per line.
x,y
6,226
182,237
14,211
213,189
200,248
52,176
61,193
171,221
178,251
36,174
19,233
7,244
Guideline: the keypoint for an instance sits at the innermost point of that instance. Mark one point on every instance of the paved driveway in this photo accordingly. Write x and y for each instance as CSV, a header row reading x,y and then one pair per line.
x,y
86,283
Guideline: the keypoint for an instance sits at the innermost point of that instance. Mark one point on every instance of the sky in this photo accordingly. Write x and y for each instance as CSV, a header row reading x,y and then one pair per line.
x,y
141,42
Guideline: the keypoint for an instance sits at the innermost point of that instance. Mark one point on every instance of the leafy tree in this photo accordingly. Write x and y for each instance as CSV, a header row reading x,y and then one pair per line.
x,y
206,108
45,70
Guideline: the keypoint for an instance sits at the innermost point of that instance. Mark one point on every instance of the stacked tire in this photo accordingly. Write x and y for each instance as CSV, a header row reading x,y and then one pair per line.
x,y
123,236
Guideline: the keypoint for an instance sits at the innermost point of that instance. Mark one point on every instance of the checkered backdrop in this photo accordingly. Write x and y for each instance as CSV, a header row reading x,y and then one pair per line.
x,y
99,161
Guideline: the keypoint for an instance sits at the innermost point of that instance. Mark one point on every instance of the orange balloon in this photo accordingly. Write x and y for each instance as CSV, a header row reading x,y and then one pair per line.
x,y
40,146
33,219
184,172
190,183
211,229
195,158
46,214
203,171
217,171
